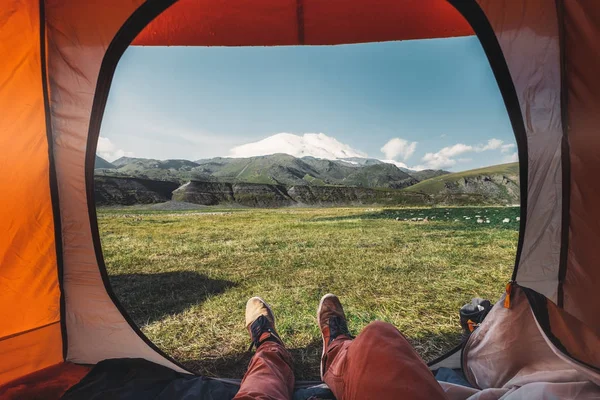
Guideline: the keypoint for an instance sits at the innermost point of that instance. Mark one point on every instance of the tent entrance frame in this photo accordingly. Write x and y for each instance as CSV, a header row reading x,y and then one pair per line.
x,y
151,9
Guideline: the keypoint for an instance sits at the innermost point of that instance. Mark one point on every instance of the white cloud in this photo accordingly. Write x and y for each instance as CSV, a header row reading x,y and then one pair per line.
x,y
398,148
514,157
505,148
492,144
445,157
495,144
107,150
454,150
316,145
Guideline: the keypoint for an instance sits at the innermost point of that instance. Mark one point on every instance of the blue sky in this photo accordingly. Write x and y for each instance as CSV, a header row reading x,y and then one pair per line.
x,y
435,100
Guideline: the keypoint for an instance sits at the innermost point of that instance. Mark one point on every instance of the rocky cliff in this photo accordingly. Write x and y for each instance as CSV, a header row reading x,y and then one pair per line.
x,y
129,191
498,184
491,185
266,195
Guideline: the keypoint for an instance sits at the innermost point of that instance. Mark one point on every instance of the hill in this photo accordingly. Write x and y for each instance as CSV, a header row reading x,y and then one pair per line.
x,y
275,169
179,171
282,180
498,184
101,163
272,169
381,176
427,174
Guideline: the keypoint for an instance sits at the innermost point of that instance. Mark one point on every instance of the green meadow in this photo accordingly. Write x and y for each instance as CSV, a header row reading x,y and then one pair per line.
x,y
185,276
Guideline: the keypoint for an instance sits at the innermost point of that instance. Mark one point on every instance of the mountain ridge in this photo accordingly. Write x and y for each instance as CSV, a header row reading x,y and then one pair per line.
x,y
276,168
282,180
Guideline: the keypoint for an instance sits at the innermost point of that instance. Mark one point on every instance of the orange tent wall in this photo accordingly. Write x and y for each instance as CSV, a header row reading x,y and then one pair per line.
x,y
30,332
293,22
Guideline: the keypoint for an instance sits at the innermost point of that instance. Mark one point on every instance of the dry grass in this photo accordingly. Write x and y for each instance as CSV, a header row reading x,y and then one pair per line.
x,y
185,277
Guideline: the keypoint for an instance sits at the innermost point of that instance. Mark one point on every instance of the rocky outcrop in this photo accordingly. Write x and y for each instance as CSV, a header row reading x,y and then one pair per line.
x,y
491,188
261,195
482,189
344,195
245,194
493,185
207,193
129,191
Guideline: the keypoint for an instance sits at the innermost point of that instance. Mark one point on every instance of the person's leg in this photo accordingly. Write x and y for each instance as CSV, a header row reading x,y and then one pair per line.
x,y
270,375
378,364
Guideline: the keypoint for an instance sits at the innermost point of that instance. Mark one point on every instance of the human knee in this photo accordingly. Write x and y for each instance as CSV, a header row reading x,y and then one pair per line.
x,y
381,327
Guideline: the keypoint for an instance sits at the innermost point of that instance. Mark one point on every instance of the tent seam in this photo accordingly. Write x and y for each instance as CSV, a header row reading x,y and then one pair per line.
x,y
53,179
565,157
300,19
29,330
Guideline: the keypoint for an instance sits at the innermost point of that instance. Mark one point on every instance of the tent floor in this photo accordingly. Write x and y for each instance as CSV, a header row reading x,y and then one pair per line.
x,y
48,384
128,378
135,378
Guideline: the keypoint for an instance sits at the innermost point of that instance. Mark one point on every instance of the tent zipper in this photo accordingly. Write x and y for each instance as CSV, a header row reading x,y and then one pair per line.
x,y
509,287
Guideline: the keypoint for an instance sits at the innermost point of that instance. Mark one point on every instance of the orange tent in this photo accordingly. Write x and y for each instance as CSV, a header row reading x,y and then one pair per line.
x,y
58,59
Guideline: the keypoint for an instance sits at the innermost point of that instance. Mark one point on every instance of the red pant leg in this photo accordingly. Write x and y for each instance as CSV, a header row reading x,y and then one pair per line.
x,y
378,364
270,375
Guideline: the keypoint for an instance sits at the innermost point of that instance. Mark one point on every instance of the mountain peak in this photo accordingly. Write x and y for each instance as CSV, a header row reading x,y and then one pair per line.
x,y
317,145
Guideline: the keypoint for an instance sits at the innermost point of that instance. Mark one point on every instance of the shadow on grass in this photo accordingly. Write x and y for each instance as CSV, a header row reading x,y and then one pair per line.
x,y
152,297
307,359
306,363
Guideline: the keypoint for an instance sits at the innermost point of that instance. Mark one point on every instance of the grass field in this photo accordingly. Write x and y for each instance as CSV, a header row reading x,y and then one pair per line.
x,y
185,276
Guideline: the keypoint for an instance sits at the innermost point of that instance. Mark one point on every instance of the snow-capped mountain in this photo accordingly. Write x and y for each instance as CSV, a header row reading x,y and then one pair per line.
x,y
316,145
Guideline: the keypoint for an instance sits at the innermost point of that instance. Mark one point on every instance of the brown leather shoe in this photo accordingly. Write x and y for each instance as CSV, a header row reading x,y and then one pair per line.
x,y
260,322
332,322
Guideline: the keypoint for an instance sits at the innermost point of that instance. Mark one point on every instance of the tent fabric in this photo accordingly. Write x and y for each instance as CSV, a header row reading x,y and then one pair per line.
x,y
58,60
97,329
499,342
582,63
580,340
29,288
48,384
530,27
499,363
293,22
